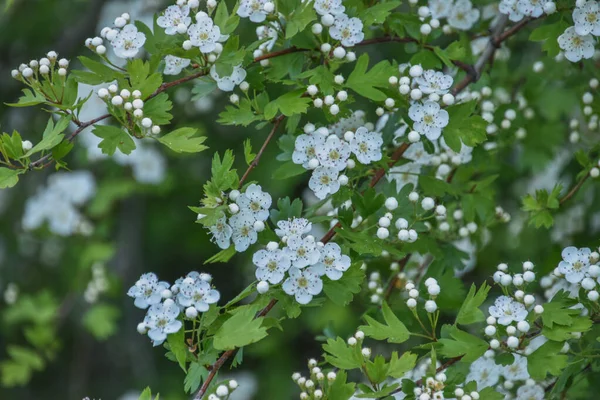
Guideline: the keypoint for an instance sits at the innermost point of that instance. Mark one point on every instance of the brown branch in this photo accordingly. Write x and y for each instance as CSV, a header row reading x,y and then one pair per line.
x,y
279,53
574,190
395,279
254,162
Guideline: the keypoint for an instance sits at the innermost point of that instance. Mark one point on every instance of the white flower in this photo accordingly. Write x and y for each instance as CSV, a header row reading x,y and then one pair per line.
x,y
147,290
297,226
531,8
407,174
302,251
366,145
253,9
347,30
172,17
575,264
333,261
227,83
324,181
161,320
255,201
304,284
575,46
128,42
267,32
305,148
333,7
535,392
334,153
271,265
204,34
440,8
506,310
416,152
429,119
464,156
221,232
174,65
196,293
587,19
510,8
243,230
351,123
434,82
517,371
463,16
485,372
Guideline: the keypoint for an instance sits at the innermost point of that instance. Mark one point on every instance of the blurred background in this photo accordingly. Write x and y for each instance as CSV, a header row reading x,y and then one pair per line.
x,y
67,328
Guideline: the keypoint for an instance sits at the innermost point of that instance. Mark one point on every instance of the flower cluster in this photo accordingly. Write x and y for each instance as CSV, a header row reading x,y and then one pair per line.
x,y
317,383
375,287
328,100
328,154
224,390
347,30
432,388
192,293
460,14
57,204
255,10
519,9
577,270
433,290
46,68
577,42
130,105
98,284
124,38
248,211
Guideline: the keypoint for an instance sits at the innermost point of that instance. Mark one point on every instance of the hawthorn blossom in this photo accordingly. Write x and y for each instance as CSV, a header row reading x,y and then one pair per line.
x,y
128,42
485,372
575,46
351,123
324,181
463,16
221,232
333,261
510,8
429,119
533,392
253,9
416,152
255,201
204,34
434,82
267,32
575,264
587,19
271,265
334,153
347,30
244,233
531,8
366,145
301,251
295,226
440,8
172,17
517,371
161,320
304,284
228,83
506,310
147,290
174,65
305,148
197,293
333,7
406,174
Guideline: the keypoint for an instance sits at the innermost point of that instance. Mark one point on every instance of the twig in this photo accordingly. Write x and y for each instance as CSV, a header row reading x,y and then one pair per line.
x,y
254,162
390,287
574,190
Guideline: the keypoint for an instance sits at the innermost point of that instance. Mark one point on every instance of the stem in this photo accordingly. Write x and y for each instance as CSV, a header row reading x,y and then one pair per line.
x,y
574,190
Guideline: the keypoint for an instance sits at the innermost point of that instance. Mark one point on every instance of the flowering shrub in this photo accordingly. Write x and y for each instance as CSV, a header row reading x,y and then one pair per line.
x,y
408,163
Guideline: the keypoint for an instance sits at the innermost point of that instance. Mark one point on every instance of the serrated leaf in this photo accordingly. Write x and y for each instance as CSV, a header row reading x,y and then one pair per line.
x,y
240,330
28,99
178,347
342,291
113,138
9,177
400,366
393,330
365,83
289,104
461,344
182,141
546,360
341,355
469,312
299,19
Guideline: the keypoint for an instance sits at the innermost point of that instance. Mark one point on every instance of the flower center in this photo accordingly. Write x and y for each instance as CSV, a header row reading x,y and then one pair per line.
x,y
577,265
334,155
328,260
203,36
161,323
592,18
428,119
271,265
148,292
255,206
301,252
302,282
325,180
363,147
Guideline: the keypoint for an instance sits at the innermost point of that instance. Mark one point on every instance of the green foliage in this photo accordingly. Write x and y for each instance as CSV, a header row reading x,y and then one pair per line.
x,y
223,178
469,312
240,330
101,321
464,127
342,291
147,395
22,364
541,205
546,360
113,138
178,347
289,104
339,389
365,83
302,15
182,140
457,343
341,355
393,330
8,177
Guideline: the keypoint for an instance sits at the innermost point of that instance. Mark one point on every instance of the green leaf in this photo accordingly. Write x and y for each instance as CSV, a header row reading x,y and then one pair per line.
x,y
546,360
242,114
195,375
461,343
377,370
102,72
365,83
157,109
205,85
240,330
248,154
289,104
113,138
286,209
28,99
101,321
393,330
52,135
490,393
470,129
469,312
182,141
342,291
549,33
341,355
559,311
147,395
377,14
222,256
9,177
299,19
178,347
339,389
288,170
400,366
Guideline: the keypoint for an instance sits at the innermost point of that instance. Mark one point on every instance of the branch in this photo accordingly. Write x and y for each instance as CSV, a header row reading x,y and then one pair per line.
x,y
254,162
574,190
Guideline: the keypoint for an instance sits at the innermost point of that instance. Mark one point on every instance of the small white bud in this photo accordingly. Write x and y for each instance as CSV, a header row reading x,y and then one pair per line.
x,y
262,287
191,312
